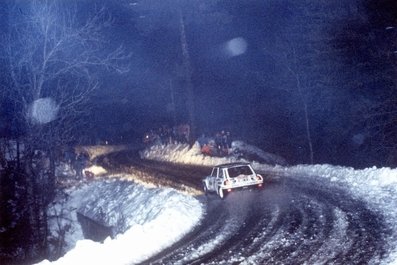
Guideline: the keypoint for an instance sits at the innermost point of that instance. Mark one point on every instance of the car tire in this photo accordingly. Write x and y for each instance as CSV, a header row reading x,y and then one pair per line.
x,y
205,189
221,193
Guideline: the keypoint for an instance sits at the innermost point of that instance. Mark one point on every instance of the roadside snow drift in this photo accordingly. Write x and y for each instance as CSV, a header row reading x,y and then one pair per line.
x,y
183,153
152,219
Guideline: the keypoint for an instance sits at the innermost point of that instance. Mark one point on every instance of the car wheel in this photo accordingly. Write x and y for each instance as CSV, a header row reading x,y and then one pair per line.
x,y
205,189
221,193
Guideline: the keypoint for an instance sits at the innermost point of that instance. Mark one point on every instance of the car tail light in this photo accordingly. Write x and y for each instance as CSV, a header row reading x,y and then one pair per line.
x,y
226,182
259,177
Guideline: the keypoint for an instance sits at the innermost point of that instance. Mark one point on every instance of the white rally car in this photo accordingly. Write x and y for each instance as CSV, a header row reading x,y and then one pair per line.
x,y
226,177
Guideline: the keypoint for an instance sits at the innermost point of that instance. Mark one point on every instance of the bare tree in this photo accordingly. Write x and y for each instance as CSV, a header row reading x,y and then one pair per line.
x,y
288,58
51,54
180,17
53,61
304,54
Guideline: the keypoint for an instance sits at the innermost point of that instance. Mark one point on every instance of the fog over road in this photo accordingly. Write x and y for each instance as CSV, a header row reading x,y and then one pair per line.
x,y
287,222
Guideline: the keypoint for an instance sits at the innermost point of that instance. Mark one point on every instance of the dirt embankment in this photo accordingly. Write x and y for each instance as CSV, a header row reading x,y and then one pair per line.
x,y
127,164
95,151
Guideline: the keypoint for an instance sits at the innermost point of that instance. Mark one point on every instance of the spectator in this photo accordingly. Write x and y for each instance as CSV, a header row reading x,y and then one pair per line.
x,y
202,140
81,163
218,141
206,149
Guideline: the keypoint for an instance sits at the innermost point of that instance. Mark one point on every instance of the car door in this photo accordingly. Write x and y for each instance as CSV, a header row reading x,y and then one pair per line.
x,y
212,179
219,178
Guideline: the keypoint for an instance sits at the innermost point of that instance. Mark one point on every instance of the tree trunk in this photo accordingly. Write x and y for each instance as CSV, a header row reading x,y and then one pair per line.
x,y
307,121
308,134
188,78
297,76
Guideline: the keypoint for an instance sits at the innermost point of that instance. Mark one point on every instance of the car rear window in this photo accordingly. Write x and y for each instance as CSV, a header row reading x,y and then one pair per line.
x,y
241,170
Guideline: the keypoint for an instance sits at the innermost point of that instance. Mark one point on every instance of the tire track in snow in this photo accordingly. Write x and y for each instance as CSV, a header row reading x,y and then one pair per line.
x,y
284,225
304,221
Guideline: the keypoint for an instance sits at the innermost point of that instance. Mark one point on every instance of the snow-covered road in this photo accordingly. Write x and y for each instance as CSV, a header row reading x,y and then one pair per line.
x,y
287,222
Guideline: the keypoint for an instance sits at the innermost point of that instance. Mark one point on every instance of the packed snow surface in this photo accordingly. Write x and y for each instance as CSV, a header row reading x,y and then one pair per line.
x,y
156,218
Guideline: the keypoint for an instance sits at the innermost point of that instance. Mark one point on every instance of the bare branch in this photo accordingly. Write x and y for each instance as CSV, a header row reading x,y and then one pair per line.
x,y
50,53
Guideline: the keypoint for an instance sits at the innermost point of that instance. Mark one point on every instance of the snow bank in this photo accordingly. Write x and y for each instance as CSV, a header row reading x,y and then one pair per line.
x,y
376,186
257,154
151,218
182,153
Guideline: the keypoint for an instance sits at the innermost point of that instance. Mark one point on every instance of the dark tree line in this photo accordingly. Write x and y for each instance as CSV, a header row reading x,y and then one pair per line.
x,y
379,113
52,60
181,18
324,68
333,81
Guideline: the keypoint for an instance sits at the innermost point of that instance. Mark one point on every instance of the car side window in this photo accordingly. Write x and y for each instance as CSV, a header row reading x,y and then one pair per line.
x,y
220,175
214,172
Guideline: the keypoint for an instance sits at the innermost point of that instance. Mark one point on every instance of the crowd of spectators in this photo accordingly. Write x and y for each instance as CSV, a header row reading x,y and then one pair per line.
x,y
78,160
217,145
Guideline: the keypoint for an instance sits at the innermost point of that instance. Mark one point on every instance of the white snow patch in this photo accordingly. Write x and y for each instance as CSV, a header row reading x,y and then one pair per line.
x,y
154,218
96,170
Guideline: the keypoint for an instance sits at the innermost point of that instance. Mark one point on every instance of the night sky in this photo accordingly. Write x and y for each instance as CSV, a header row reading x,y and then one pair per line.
x,y
256,66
